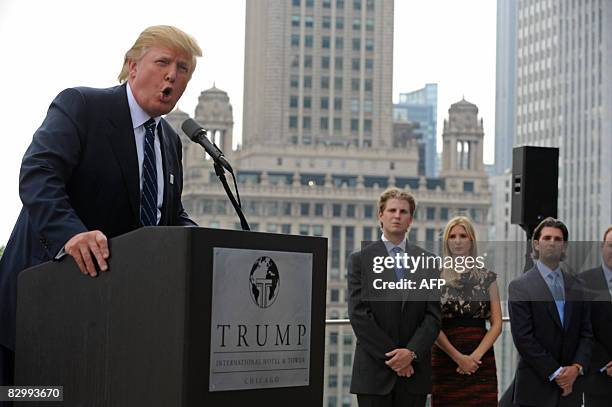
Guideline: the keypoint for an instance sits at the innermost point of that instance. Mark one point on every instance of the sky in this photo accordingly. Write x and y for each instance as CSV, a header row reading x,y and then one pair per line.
x,y
47,46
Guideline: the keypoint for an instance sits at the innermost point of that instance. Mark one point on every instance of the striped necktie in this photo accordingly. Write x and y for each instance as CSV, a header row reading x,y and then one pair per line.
x,y
399,271
148,195
558,294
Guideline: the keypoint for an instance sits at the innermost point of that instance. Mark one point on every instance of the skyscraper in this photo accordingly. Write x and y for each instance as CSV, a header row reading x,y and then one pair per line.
x,y
318,72
421,106
564,99
505,85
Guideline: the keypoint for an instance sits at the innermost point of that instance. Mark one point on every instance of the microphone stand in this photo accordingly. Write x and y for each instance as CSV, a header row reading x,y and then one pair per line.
x,y
221,174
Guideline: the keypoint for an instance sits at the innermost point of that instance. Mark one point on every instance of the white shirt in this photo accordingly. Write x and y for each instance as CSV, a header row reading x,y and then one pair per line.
x,y
139,118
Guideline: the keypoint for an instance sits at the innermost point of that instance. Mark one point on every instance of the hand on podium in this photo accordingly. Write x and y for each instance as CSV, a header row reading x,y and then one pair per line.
x,y
81,246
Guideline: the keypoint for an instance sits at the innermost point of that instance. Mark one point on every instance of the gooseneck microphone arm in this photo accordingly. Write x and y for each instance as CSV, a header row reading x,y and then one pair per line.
x,y
198,135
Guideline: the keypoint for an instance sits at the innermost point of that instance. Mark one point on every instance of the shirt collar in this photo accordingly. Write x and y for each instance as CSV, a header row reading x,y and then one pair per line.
x,y
607,272
390,245
545,271
139,116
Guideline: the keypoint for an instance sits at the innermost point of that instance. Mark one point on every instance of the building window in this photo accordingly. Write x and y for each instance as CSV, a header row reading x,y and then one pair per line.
x,y
333,338
339,43
369,44
293,122
367,125
350,210
367,233
326,3
295,40
307,102
339,3
339,23
334,295
337,103
431,213
357,4
346,382
468,186
317,230
332,401
369,64
370,5
308,61
324,102
318,209
356,63
295,81
324,124
354,105
367,106
356,44
287,208
332,381
355,84
337,124
325,62
306,122
357,24
295,20
336,210
347,359
430,235
308,82
308,41
368,85
324,82
333,359
304,229
293,101
335,248
325,42
443,213
354,124
310,3
286,228
369,24
296,3
368,211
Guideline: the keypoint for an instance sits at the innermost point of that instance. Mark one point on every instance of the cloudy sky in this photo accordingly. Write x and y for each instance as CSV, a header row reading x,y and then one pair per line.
x,y
47,46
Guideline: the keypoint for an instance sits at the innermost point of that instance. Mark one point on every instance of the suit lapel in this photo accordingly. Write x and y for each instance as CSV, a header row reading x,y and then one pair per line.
x,y
123,143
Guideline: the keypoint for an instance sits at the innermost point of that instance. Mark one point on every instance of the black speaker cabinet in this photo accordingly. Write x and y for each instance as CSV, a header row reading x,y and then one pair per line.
x,y
535,175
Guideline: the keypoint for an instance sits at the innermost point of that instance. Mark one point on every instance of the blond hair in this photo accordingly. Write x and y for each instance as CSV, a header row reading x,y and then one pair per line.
x,y
449,274
164,36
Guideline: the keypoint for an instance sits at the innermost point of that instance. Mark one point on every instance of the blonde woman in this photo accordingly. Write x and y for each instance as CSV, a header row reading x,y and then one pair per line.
x,y
463,361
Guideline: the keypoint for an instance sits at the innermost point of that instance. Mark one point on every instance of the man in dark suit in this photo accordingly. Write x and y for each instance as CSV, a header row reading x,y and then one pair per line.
x,y
550,325
598,288
102,163
395,331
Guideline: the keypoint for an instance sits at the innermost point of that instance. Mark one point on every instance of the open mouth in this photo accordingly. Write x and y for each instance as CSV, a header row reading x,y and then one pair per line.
x,y
166,92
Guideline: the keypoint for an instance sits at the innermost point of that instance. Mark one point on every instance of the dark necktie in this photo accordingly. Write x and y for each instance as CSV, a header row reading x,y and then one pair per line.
x,y
558,294
148,196
399,271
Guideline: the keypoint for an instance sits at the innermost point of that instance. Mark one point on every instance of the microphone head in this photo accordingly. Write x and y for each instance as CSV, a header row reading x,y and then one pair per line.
x,y
192,129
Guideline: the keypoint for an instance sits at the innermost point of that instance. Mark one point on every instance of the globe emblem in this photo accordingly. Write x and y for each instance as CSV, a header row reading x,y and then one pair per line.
x,y
264,280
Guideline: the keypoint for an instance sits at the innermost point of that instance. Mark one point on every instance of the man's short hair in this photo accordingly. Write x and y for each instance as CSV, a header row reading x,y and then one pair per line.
x,y
552,223
160,36
396,193
606,233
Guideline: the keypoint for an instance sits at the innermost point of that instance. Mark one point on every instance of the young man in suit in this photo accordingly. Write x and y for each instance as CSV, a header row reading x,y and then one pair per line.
x,y
550,325
102,163
395,332
598,288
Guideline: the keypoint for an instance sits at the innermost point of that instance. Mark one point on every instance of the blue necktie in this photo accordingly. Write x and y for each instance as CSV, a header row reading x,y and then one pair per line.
x,y
557,292
399,271
148,195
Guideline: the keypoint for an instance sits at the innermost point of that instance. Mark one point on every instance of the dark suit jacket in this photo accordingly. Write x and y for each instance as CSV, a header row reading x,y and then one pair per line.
x,y
542,342
383,325
598,296
81,173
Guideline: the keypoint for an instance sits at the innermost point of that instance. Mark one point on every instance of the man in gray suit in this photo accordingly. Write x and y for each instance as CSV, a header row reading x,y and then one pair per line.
x,y
396,329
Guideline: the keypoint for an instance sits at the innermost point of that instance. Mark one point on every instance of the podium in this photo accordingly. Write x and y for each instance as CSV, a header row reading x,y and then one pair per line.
x,y
183,317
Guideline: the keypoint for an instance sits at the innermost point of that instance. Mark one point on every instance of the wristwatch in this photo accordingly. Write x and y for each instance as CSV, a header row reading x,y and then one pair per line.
x,y
579,367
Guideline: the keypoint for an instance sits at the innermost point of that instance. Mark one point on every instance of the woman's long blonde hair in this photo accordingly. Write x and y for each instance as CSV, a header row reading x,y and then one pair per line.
x,y
449,274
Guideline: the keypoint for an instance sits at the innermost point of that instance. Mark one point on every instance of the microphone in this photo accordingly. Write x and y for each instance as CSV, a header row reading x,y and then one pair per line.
x,y
198,135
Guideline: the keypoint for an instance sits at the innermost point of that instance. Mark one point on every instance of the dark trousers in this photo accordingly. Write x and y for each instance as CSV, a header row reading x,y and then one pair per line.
x,y
591,400
398,397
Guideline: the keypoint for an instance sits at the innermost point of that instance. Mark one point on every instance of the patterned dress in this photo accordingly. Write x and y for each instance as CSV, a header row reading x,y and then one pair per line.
x,y
465,310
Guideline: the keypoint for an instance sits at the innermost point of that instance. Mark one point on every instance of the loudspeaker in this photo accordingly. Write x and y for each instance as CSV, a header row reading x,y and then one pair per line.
x,y
535,177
